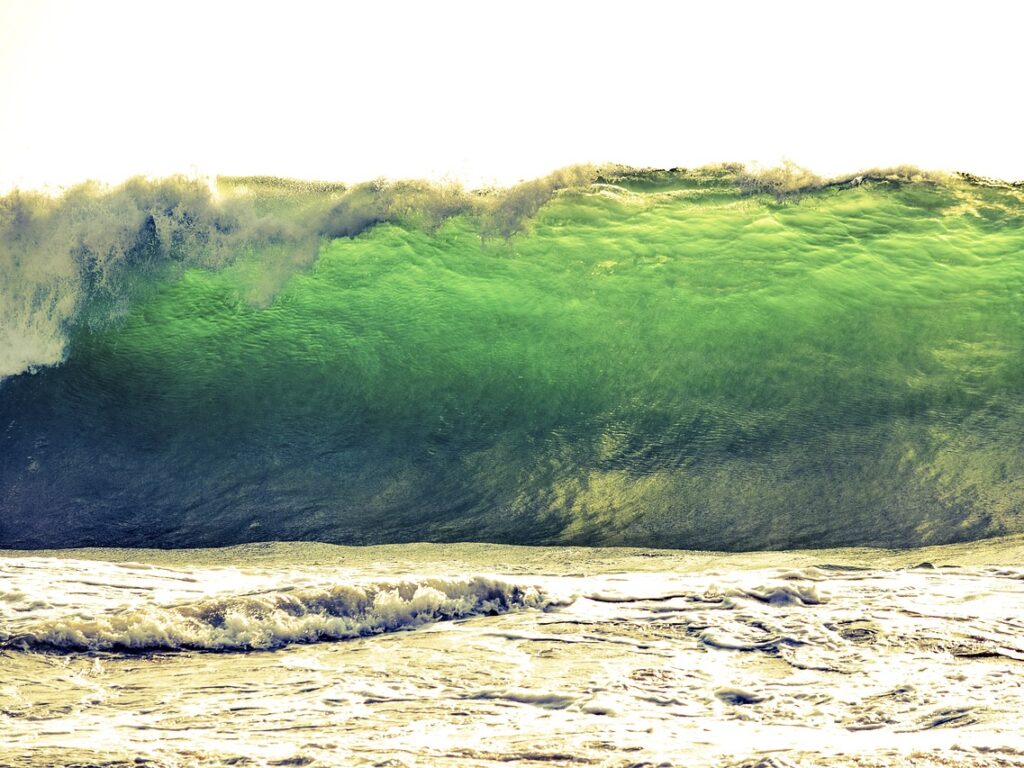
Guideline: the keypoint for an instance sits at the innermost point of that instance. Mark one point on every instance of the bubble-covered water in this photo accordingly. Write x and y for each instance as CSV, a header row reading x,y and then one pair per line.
x,y
485,655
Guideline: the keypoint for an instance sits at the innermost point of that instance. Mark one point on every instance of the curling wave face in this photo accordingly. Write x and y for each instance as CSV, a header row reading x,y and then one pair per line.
x,y
683,359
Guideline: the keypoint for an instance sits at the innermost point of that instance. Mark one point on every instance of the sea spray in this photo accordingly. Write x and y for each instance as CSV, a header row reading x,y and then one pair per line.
x,y
80,259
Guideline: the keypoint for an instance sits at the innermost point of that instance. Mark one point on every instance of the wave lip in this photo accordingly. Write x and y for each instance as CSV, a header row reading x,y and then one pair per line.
x,y
270,620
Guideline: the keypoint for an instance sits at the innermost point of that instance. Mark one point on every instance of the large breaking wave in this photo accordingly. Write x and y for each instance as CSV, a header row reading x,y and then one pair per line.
x,y
712,359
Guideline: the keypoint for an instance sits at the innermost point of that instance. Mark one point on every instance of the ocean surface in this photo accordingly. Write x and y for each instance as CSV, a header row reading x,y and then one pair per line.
x,y
529,426
486,655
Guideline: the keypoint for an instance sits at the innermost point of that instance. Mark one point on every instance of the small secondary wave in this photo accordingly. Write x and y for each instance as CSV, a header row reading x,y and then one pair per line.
x,y
275,619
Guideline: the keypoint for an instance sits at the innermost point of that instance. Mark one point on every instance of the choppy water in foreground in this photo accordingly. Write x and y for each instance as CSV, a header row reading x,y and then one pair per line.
x,y
481,655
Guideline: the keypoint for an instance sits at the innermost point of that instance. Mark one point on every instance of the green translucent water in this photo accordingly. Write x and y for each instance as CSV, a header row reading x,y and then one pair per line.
x,y
673,364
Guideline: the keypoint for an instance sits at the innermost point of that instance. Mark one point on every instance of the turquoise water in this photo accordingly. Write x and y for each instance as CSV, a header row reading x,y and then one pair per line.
x,y
659,359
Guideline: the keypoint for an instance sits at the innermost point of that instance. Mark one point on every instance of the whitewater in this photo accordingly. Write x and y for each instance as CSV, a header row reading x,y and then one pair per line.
x,y
487,655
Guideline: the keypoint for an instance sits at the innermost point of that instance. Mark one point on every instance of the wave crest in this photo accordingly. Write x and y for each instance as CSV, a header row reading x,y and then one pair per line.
x,y
83,258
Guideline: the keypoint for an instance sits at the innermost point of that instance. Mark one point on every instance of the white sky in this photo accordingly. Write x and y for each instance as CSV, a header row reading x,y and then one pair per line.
x,y
493,91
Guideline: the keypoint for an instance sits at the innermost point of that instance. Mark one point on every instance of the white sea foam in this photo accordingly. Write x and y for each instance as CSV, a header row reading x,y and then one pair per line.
x,y
275,619
685,659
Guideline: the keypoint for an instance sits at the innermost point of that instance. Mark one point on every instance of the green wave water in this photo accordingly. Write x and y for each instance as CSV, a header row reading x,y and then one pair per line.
x,y
656,359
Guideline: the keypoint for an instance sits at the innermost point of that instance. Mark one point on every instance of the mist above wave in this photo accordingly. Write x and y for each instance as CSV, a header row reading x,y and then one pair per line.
x,y
81,259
